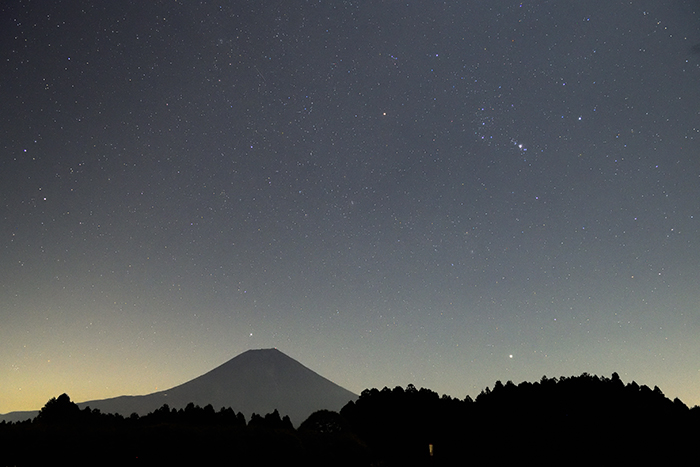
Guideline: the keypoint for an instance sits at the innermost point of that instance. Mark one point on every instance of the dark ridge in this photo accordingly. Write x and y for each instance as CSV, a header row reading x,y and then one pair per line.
x,y
256,381
581,420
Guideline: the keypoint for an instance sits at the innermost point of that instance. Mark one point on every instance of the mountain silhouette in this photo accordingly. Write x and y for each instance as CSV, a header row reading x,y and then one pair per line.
x,y
256,381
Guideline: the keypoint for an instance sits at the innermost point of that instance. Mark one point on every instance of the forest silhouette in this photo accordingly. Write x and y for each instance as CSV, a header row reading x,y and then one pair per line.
x,y
580,420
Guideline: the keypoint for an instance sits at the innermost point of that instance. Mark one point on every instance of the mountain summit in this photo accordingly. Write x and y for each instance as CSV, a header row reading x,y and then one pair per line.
x,y
256,381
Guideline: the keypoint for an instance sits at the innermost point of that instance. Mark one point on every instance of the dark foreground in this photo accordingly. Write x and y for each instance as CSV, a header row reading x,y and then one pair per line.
x,y
584,420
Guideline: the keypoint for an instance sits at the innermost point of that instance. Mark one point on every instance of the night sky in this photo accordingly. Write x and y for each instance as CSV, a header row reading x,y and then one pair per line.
x,y
438,193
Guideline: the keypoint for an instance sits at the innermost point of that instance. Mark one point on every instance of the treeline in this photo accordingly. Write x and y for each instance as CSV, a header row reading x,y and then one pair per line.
x,y
62,432
580,420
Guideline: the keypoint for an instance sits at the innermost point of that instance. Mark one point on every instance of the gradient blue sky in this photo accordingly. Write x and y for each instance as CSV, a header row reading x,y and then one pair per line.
x,y
438,193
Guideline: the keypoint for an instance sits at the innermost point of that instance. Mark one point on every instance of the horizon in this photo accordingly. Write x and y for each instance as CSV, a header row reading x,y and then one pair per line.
x,y
444,195
473,397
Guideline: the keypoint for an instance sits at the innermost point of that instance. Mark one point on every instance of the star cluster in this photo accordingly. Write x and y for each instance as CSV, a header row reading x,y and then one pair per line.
x,y
443,194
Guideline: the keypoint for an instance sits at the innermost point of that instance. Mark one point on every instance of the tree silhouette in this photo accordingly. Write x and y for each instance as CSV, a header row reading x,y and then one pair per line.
x,y
325,422
59,410
579,420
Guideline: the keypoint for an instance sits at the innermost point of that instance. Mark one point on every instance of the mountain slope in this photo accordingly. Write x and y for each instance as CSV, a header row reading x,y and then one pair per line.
x,y
256,381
